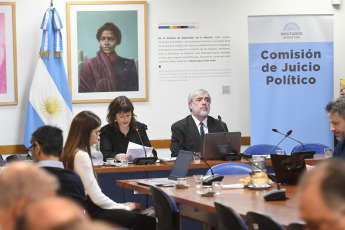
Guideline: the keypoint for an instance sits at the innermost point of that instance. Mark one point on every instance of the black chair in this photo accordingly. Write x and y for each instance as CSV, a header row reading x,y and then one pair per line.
x,y
166,211
298,225
257,220
229,219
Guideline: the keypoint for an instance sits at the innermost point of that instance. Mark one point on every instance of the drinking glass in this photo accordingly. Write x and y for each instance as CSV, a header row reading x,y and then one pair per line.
x,y
217,187
110,161
280,152
259,172
198,180
124,160
328,152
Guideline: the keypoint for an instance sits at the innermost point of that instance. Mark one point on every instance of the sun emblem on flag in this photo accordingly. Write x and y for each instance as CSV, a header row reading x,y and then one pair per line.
x,y
51,107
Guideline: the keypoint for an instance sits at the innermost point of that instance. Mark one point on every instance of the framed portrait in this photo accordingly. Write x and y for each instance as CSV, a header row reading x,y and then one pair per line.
x,y
8,54
107,50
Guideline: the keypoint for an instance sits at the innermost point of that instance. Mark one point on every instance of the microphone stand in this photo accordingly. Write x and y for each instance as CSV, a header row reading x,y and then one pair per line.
x,y
305,154
144,160
229,156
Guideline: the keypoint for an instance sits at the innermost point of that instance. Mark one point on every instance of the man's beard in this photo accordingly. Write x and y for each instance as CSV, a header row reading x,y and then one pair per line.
x,y
341,137
202,113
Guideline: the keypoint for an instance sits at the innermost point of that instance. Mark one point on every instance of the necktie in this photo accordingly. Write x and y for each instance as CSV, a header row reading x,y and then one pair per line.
x,y
202,132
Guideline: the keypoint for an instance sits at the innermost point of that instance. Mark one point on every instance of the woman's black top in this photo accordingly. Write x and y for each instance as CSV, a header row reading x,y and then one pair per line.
x,y
114,142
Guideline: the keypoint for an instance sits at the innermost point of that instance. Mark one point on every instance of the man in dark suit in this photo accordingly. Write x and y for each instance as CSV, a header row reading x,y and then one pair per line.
x,y
188,133
46,147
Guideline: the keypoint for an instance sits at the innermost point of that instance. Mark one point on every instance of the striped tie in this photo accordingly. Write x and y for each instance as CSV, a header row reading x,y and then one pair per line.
x,y
202,132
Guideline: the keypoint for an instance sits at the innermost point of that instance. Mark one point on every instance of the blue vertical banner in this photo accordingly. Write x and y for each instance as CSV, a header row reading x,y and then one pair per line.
x,y
50,99
291,78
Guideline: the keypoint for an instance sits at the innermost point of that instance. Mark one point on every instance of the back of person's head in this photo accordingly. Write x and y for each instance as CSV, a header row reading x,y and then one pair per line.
x,y
336,106
120,104
23,180
79,136
195,93
50,139
330,174
51,213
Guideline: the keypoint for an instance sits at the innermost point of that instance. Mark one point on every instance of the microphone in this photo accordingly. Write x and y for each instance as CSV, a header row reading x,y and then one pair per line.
x,y
285,136
208,179
143,160
305,154
278,194
229,156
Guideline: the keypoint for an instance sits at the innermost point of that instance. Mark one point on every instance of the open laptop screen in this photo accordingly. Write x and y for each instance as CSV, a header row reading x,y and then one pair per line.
x,y
181,165
216,145
287,168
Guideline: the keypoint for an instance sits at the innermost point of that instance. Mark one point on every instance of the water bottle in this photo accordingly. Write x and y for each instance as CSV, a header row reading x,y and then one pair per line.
x,y
96,154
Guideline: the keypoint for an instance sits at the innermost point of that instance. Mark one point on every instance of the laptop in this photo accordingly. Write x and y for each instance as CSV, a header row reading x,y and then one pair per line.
x,y
218,145
179,170
287,168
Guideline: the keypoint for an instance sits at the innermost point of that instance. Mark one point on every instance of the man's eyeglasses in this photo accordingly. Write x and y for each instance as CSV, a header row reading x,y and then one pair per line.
x,y
29,150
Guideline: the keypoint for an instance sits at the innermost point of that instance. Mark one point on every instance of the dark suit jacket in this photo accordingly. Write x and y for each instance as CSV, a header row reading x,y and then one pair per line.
x,y
185,134
71,185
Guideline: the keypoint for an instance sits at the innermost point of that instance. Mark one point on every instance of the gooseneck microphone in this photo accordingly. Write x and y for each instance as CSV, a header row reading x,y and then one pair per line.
x,y
275,130
229,156
143,160
208,179
285,136
142,143
304,153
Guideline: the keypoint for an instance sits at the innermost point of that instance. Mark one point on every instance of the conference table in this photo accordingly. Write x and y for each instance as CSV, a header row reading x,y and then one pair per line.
x,y
108,175
201,209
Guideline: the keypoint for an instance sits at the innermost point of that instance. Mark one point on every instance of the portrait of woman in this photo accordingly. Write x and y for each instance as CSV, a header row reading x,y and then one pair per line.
x,y
108,72
121,129
84,132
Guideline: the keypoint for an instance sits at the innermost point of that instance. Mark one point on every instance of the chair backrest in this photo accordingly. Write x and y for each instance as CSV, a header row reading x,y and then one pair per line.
x,y
230,168
229,219
257,220
317,147
166,211
261,149
298,225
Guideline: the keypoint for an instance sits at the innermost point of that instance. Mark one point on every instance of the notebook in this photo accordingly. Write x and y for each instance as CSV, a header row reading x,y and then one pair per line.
x,y
287,168
179,170
217,145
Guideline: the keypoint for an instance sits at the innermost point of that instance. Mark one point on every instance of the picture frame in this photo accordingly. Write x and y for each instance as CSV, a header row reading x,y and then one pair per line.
x,y
95,73
8,54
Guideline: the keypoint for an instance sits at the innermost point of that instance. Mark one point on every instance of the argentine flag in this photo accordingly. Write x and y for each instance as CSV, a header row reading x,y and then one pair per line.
x,y
50,100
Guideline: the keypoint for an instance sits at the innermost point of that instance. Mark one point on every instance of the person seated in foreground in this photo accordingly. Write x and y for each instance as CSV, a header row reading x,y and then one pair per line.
x,y
321,195
20,184
188,133
51,213
84,132
121,129
46,146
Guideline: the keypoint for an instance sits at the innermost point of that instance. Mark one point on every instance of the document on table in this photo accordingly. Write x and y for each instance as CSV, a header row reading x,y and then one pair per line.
x,y
134,151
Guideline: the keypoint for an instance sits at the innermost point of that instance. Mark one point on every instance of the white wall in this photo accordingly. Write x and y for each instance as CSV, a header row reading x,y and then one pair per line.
x,y
168,102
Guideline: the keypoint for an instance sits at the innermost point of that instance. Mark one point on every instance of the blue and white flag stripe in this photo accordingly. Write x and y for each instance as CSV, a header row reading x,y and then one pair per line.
x,y
50,100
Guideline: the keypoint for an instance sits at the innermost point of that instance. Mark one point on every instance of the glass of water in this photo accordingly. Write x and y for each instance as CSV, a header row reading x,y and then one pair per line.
x,y
198,180
328,152
217,187
124,160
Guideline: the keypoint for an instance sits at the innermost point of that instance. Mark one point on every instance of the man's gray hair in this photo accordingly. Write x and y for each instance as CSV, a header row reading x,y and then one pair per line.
x,y
336,106
196,93
332,185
